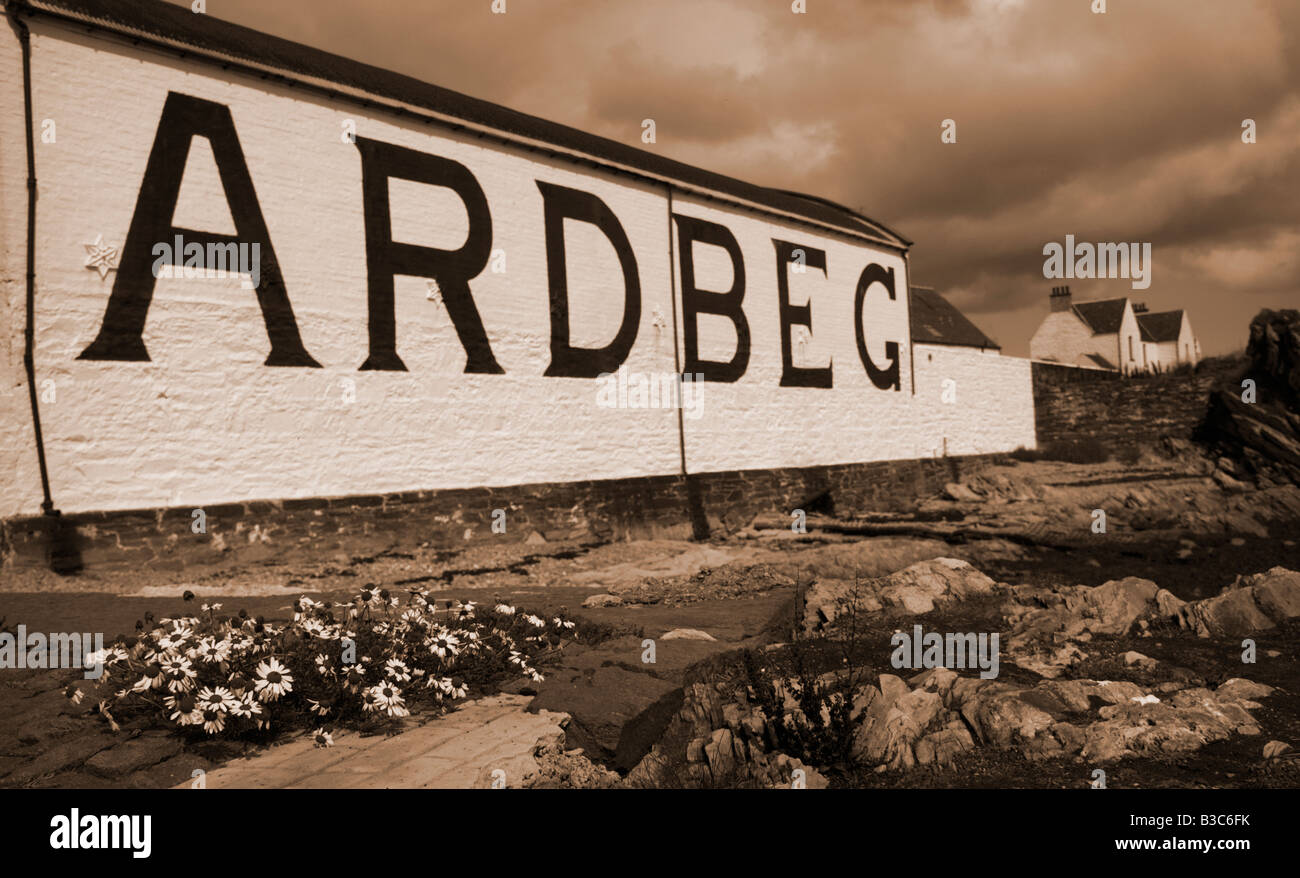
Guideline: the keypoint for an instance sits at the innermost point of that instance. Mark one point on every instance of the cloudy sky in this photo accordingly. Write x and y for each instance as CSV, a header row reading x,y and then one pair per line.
x,y
1123,126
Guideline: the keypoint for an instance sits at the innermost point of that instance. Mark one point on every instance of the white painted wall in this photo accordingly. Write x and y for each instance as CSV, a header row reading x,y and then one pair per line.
x,y
20,484
206,422
992,402
1130,341
754,422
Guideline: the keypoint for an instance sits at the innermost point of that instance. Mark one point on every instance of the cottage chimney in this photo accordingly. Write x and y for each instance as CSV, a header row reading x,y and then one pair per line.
x,y
1060,299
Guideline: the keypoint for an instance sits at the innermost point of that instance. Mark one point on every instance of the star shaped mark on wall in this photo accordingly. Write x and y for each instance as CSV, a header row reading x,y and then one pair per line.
x,y
101,257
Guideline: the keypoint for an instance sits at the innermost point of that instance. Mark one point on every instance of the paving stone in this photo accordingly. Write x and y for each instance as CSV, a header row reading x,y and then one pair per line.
x,y
169,773
63,756
459,750
133,755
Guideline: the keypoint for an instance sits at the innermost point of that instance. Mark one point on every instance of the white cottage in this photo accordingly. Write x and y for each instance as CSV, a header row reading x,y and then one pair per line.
x,y
1113,334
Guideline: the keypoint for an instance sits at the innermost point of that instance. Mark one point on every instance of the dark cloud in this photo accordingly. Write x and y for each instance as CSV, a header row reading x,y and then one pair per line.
x,y
1117,127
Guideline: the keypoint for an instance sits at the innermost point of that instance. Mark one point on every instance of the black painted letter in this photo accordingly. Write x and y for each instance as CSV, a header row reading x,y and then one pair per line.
x,y
184,118
696,301
567,361
800,315
888,377
452,269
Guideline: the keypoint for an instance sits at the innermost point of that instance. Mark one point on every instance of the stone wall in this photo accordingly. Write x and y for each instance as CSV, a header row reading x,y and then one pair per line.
x,y
1072,404
318,528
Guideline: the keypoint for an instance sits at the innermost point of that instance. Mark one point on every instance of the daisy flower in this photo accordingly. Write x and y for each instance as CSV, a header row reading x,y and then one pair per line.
x,y
505,609
442,643
74,694
212,650
184,710
181,675
323,738
273,680
318,707
356,676
176,637
397,670
216,699
213,721
152,679
389,699
246,706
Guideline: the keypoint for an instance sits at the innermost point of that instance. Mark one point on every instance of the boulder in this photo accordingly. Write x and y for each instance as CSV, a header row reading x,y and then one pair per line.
x,y
1113,607
1238,689
1000,716
1146,663
1233,613
687,634
1276,592
961,493
603,600
941,747
918,588
1262,435
1274,749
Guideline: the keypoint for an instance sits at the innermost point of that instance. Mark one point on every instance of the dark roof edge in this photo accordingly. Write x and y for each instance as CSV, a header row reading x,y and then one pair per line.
x,y
992,345
219,43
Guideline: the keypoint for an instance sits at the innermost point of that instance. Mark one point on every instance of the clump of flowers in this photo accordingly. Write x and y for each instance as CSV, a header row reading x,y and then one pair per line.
x,y
376,657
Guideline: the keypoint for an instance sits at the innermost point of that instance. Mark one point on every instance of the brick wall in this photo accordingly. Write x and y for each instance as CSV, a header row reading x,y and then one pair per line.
x,y
1072,403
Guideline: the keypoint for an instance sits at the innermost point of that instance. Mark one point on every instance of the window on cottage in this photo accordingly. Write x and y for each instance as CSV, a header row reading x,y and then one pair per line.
x,y
1130,348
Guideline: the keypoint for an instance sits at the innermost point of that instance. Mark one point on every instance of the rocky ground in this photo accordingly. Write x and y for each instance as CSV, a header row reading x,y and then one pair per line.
x,y
1120,650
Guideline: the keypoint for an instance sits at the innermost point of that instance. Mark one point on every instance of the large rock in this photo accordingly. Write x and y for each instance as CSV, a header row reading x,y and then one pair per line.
x,y
940,748
1147,726
892,722
1231,614
921,586
1276,591
1263,434
1000,716
1238,689
1113,607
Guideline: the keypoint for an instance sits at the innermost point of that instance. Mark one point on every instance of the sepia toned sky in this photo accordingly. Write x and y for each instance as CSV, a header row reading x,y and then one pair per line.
x,y
1117,127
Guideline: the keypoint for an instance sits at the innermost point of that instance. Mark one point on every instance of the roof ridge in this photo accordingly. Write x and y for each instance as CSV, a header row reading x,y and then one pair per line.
x,y
215,40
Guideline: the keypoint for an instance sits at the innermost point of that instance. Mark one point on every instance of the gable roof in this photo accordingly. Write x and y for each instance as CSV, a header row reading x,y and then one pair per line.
x,y
1161,326
936,321
1103,316
175,27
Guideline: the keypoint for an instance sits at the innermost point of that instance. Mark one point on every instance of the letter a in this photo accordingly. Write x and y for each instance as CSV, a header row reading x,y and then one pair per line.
x,y
183,118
